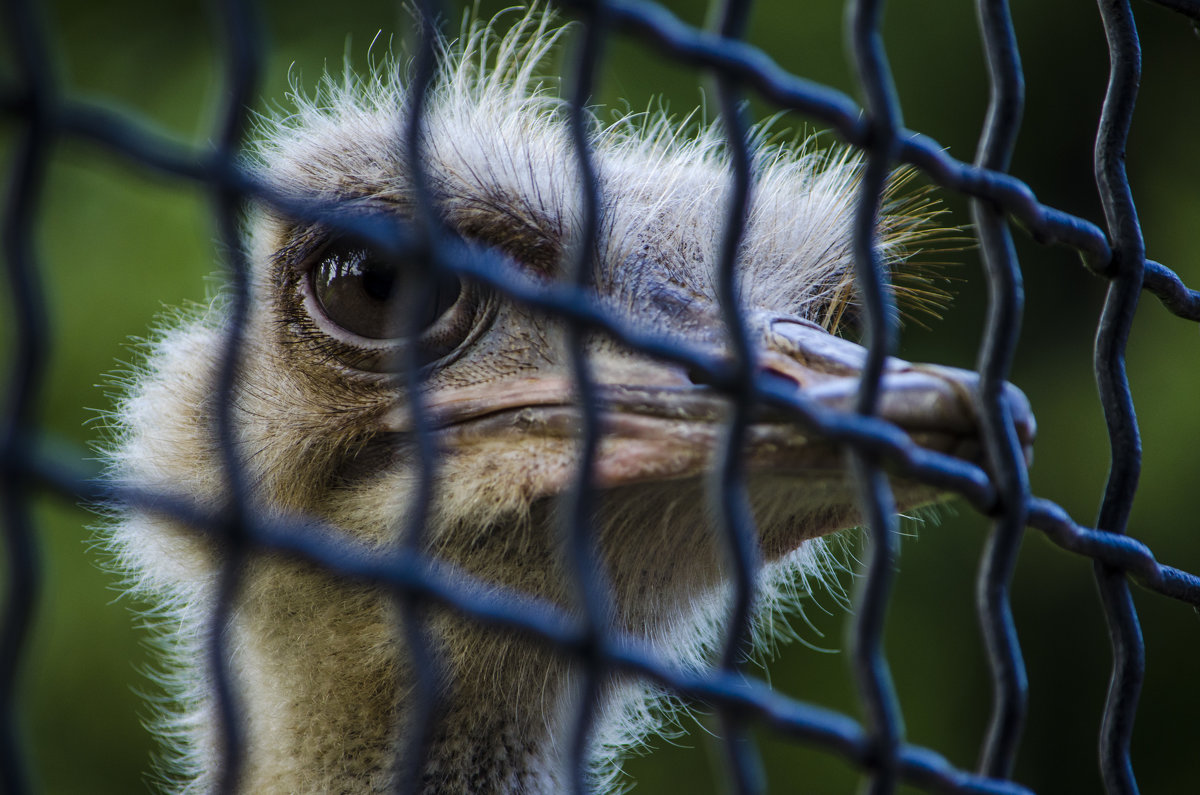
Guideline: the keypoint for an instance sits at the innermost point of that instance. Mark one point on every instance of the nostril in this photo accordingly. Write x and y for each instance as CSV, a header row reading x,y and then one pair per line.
x,y
722,376
698,376
771,372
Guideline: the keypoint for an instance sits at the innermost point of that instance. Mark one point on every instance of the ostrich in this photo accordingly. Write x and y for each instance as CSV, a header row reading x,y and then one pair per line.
x,y
319,664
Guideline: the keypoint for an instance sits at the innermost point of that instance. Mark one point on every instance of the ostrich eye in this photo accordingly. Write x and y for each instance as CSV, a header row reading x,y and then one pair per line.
x,y
363,292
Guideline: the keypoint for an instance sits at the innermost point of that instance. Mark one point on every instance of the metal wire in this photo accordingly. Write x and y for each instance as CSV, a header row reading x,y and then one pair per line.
x,y
877,746
1005,305
22,578
591,587
734,504
243,66
871,667
419,722
1128,268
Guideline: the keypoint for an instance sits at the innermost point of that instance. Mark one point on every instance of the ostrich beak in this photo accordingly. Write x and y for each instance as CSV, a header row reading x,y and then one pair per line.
x,y
657,424
928,401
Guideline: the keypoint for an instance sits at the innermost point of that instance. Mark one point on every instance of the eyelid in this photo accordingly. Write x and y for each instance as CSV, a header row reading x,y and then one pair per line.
x,y
311,239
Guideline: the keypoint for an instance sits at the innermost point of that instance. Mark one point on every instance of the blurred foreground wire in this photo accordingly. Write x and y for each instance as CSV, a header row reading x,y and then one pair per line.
x,y
42,116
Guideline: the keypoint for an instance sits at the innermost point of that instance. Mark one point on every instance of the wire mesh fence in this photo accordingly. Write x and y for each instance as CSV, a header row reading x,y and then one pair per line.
x,y
40,116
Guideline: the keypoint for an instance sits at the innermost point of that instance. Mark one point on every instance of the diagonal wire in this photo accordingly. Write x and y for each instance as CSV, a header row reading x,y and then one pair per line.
x,y
146,149
877,747
153,150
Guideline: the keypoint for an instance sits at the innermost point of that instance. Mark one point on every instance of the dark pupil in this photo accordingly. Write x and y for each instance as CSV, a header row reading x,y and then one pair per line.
x,y
359,291
378,281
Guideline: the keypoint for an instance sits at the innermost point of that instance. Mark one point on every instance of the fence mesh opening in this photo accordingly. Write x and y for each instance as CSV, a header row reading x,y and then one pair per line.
x,y
116,128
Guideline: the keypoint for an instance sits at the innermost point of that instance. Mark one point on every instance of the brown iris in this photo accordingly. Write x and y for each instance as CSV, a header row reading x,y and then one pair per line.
x,y
366,294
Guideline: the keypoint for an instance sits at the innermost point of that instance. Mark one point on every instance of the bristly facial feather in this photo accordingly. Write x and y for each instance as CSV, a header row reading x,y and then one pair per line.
x,y
321,670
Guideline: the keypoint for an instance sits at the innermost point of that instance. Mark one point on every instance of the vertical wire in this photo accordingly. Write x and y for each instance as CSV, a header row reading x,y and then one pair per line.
x,y
30,158
583,561
1002,328
243,70
243,67
1110,373
737,521
1128,267
884,723
420,712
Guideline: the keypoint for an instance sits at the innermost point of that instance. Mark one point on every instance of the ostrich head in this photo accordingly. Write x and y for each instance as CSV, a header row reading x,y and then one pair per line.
x,y
323,427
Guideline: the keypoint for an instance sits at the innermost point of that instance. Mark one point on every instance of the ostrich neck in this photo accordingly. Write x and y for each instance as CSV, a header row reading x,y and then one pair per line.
x,y
473,751
330,685
328,691
500,717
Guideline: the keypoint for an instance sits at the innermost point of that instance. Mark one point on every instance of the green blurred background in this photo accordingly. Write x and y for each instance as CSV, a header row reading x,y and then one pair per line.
x,y
118,245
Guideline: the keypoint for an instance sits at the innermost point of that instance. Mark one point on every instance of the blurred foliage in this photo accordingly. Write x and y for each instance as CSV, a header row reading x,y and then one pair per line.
x,y
118,245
